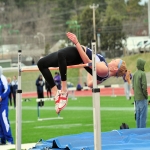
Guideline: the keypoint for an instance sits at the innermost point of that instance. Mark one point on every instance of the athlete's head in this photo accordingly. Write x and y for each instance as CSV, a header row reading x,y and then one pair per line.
x,y
120,67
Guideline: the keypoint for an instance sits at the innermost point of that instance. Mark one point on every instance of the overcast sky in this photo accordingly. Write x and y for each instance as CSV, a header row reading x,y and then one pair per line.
x,y
143,1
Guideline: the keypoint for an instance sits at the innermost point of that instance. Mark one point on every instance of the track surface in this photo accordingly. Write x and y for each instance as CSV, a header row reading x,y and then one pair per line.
x,y
103,92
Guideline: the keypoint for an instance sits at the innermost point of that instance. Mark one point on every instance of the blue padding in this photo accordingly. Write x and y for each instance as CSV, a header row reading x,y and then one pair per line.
x,y
131,139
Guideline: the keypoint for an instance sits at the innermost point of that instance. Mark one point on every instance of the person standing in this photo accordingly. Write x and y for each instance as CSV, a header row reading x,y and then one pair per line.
x,y
40,91
33,62
48,89
127,86
5,129
139,83
57,79
10,94
79,87
14,84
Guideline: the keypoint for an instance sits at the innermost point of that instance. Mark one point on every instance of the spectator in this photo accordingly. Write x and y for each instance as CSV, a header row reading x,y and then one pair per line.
x,y
127,86
40,92
48,89
79,87
57,79
14,84
69,84
5,130
10,94
33,62
139,84
85,84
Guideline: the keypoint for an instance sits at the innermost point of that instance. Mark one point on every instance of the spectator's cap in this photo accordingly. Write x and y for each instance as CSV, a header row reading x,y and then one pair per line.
x,y
1,71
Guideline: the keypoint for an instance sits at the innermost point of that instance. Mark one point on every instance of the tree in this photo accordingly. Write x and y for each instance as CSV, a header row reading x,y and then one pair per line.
x,y
86,21
112,36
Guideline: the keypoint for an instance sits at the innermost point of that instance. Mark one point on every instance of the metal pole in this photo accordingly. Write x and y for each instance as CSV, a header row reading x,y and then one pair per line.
x,y
94,32
1,40
18,105
96,102
99,42
36,36
39,33
94,28
149,18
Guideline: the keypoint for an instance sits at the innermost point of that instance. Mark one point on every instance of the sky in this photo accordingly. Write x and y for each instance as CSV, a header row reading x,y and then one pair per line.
x,y
143,1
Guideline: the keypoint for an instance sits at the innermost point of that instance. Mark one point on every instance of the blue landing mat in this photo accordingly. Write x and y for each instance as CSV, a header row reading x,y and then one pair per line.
x,y
126,139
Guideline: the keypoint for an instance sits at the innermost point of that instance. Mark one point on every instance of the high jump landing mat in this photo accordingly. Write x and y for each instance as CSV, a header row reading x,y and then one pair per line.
x,y
125,139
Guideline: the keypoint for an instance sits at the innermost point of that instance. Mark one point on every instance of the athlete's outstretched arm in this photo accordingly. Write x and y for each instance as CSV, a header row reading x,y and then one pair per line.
x,y
101,68
82,54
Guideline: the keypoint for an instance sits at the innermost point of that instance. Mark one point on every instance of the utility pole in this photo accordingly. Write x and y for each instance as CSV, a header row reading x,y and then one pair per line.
x,y
94,8
149,18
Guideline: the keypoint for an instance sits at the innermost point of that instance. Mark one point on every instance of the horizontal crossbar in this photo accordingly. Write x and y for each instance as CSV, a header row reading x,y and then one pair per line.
x,y
35,68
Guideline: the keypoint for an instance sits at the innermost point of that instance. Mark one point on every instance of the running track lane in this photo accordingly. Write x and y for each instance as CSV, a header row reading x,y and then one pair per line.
x,y
103,92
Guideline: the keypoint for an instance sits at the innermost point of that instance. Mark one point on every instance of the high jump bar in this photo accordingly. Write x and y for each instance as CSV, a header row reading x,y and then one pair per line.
x,y
35,68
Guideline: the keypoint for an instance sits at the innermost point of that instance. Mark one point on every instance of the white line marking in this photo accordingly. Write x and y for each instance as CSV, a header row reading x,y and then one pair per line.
x,y
12,122
80,108
63,126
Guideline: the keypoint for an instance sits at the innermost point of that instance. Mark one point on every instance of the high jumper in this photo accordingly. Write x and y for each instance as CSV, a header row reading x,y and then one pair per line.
x,y
77,55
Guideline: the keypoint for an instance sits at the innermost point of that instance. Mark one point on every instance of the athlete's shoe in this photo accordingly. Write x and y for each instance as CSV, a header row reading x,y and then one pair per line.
x,y
57,99
62,102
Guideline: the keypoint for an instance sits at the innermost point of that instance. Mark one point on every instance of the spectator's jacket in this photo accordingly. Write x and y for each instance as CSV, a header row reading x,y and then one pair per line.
x,y
139,82
4,90
57,80
39,84
79,87
14,84
10,87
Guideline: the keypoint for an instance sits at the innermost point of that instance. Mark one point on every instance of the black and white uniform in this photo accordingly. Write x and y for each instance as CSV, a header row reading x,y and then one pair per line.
x,y
99,58
62,58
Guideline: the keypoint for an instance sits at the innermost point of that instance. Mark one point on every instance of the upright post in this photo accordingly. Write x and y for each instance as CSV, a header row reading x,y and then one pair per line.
x,y
98,42
18,105
149,18
96,102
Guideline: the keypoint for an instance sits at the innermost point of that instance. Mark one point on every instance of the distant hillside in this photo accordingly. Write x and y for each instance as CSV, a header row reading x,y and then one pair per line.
x,y
132,59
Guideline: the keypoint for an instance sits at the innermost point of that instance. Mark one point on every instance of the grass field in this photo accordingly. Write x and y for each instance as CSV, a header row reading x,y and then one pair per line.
x,y
78,118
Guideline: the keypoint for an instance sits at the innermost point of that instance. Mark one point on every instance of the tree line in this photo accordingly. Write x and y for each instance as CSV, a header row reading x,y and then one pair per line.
x,y
115,21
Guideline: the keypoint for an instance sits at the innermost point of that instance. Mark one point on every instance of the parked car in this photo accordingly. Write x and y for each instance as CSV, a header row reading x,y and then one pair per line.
x,y
133,44
147,47
142,44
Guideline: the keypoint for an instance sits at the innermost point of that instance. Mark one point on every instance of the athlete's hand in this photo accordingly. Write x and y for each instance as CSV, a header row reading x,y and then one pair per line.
x,y
72,37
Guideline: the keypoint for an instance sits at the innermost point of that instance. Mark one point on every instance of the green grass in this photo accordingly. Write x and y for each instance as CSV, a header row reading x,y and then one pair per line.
x,y
78,118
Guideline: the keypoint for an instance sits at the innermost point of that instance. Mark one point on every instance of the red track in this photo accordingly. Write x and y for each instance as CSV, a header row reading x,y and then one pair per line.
x,y
103,92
